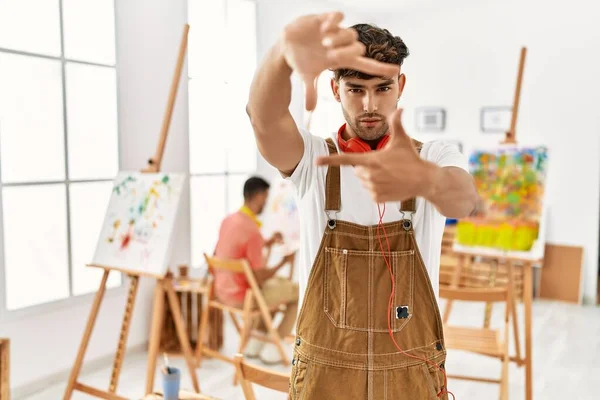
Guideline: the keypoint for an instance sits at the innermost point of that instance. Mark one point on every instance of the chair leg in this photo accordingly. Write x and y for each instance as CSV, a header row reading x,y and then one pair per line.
x,y
245,331
504,378
201,333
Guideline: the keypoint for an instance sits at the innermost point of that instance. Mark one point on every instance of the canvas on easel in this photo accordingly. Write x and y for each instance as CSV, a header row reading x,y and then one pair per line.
x,y
510,219
281,215
138,226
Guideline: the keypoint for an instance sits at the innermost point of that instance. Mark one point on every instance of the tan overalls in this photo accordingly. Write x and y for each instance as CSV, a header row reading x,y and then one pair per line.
x,y
343,349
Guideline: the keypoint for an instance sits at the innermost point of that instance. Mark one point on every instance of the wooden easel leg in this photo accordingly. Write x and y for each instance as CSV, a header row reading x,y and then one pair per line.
x,y
206,309
489,306
86,337
455,283
528,304
120,355
513,306
155,334
184,341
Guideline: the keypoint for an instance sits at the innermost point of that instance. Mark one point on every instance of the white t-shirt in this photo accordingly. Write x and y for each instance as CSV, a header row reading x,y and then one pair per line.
x,y
358,206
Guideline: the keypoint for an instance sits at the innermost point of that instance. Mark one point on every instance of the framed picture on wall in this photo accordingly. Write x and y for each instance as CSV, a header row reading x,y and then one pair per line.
x,y
430,119
495,119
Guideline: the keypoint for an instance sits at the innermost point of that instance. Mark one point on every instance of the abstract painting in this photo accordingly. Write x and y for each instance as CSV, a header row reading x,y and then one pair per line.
x,y
510,181
138,225
281,214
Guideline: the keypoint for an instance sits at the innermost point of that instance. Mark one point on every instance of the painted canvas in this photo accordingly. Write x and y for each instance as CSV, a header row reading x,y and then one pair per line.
x,y
510,181
138,225
281,214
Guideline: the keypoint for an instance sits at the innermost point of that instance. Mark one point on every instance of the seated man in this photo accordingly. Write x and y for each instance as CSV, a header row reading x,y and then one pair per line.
x,y
240,237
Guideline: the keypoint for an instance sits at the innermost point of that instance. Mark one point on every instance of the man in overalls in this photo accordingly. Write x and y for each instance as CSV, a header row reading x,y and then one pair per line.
x,y
371,222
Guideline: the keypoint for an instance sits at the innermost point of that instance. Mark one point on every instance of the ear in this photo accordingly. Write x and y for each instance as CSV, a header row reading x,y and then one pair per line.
x,y
335,89
401,83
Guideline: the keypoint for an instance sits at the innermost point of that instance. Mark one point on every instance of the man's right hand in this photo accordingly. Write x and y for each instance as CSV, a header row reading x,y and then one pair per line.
x,y
314,43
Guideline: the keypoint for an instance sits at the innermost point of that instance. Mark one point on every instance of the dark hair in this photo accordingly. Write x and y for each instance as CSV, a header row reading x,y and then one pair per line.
x,y
381,46
253,186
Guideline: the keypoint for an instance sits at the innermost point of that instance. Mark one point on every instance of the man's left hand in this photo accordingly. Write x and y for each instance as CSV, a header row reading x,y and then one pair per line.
x,y
276,238
394,173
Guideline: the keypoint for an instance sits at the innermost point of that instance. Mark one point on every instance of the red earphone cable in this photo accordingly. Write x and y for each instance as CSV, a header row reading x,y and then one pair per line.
x,y
391,302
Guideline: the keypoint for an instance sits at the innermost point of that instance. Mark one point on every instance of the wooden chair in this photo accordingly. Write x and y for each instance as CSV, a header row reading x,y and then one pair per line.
x,y
483,341
247,374
4,368
254,307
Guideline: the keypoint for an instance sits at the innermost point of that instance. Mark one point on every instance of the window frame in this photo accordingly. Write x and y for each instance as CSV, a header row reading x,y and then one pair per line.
x,y
7,315
227,173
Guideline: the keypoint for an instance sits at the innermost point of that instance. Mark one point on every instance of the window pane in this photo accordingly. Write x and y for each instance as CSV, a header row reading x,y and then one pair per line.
x,y
89,30
210,129
206,18
92,121
31,119
207,212
30,25
35,244
89,202
235,191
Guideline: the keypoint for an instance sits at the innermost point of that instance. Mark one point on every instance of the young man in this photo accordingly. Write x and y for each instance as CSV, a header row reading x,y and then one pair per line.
x,y
369,324
240,237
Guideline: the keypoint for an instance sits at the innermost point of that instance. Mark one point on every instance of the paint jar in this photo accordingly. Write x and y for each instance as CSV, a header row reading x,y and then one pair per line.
x,y
170,383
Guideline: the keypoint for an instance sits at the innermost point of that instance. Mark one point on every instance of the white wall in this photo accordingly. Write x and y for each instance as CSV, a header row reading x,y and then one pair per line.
x,y
148,36
464,55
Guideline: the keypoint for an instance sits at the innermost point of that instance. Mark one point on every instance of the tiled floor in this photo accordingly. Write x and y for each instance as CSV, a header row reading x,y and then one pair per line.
x,y
566,345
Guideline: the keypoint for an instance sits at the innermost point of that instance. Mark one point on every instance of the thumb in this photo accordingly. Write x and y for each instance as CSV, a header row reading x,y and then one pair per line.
x,y
398,134
310,97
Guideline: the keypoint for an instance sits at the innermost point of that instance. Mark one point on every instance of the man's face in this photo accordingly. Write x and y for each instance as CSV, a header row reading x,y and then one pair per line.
x,y
367,104
261,200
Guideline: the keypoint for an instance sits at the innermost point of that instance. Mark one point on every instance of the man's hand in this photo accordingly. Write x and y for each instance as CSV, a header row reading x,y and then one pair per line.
x,y
276,238
314,43
396,172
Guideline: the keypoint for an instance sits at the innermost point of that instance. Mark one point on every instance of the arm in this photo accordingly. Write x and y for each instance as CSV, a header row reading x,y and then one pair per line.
x,y
276,133
452,191
308,46
266,273
398,173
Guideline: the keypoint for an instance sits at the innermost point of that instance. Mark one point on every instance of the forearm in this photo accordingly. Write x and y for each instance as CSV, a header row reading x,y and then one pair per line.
x,y
452,191
277,136
271,89
264,274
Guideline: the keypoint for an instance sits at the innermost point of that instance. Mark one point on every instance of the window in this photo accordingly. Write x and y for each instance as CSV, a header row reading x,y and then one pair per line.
x,y
222,60
327,116
58,145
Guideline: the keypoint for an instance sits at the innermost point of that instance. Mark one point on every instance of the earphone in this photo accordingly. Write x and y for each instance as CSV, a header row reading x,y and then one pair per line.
x,y
356,144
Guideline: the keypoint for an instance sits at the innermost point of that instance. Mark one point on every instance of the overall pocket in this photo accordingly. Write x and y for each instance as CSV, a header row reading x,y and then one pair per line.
x,y
357,287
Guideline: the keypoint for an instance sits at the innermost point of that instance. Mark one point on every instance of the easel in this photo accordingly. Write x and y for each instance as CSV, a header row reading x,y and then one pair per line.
x,y
527,265
163,284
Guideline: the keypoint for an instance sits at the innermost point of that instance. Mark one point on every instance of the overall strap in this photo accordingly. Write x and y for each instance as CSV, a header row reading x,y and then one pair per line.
x,y
410,205
332,182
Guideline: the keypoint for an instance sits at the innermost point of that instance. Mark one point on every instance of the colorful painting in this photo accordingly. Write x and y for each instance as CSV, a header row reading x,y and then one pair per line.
x,y
138,226
510,181
281,214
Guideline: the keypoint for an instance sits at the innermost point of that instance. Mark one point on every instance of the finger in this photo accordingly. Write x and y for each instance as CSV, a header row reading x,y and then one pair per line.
x,y
332,22
344,57
344,159
340,38
310,85
374,67
399,137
